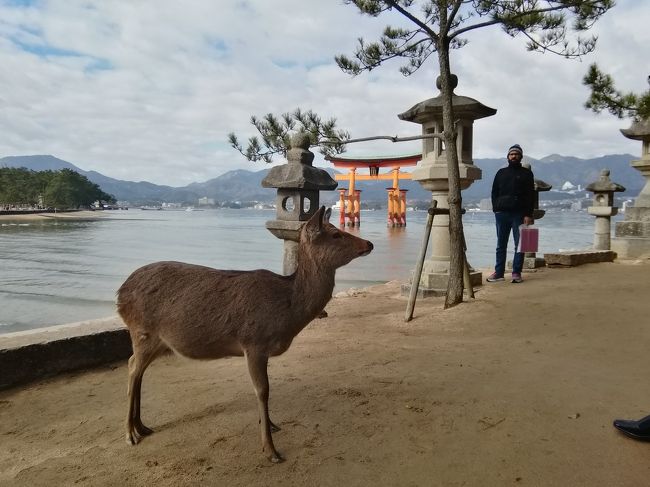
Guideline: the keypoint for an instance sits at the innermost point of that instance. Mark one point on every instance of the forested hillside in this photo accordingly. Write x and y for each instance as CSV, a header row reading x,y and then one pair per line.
x,y
65,188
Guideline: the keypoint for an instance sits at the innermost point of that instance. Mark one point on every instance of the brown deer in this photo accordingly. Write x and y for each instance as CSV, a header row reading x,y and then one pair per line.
x,y
204,313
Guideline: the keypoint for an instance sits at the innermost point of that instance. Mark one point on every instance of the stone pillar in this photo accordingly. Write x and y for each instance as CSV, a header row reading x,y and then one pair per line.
x,y
632,236
432,174
298,184
603,208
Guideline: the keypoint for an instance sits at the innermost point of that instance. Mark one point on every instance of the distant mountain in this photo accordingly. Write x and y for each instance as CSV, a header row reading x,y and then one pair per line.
x,y
231,186
243,185
122,190
235,185
38,163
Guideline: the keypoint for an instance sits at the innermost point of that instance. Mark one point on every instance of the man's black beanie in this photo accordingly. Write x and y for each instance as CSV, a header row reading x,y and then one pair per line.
x,y
516,148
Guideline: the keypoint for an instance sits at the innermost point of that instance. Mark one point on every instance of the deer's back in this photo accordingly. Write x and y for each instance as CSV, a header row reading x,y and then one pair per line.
x,y
202,312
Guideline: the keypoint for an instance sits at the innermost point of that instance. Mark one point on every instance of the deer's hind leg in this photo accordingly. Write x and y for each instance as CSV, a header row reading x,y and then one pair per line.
x,y
145,349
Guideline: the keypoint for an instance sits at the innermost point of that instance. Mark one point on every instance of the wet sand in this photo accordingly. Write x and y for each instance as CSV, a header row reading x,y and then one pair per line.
x,y
518,387
78,215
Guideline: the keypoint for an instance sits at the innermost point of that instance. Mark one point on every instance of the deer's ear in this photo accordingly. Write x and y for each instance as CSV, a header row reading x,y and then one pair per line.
x,y
327,215
315,223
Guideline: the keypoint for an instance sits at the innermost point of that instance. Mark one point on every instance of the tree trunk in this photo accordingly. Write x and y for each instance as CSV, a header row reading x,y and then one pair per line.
x,y
456,251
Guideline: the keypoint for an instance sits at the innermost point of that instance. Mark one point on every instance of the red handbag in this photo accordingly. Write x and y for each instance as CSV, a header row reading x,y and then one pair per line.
x,y
528,238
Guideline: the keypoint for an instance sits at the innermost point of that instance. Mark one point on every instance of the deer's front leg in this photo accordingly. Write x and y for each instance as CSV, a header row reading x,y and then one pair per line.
x,y
257,368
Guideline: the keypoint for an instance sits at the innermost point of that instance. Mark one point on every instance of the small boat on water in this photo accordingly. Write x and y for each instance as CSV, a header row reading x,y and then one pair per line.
x,y
151,207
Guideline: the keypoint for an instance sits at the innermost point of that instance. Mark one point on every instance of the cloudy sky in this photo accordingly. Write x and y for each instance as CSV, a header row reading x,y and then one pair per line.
x,y
149,89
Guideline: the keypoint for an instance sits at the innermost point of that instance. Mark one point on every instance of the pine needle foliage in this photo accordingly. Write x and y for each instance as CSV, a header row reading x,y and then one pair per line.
x,y
275,135
604,96
545,24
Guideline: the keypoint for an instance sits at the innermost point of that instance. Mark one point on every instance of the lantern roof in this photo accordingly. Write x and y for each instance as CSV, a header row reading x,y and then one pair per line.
x,y
464,107
638,130
299,173
604,184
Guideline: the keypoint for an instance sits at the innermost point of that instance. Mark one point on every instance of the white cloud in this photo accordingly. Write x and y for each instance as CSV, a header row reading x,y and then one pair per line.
x,y
148,90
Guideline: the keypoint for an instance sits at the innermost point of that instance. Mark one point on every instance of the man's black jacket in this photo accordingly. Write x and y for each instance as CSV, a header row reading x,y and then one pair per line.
x,y
513,189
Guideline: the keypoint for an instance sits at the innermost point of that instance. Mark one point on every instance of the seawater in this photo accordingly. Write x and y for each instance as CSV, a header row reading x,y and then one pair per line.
x,y
63,271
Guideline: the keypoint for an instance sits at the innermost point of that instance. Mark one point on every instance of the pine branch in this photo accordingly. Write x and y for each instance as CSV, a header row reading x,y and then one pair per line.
x,y
604,96
276,133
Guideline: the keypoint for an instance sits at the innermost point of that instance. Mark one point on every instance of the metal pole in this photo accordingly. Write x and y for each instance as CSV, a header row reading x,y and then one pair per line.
x,y
415,284
383,137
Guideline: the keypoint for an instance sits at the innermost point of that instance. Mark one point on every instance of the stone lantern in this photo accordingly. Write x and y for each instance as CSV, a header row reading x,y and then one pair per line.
x,y
432,174
298,184
632,236
531,261
603,208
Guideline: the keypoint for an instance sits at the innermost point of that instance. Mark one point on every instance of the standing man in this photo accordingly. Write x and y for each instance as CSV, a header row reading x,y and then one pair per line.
x,y
513,199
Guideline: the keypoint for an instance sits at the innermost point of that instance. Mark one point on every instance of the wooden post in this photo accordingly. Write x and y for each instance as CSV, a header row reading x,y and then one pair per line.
x,y
433,210
417,274
402,193
351,198
342,209
357,207
394,216
389,210
397,211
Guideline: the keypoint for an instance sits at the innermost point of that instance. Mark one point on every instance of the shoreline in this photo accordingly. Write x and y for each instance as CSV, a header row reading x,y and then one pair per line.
x,y
47,215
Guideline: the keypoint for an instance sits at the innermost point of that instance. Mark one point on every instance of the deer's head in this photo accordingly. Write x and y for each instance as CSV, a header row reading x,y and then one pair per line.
x,y
327,244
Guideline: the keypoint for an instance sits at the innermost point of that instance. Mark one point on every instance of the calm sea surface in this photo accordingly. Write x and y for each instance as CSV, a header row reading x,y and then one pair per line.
x,y
54,272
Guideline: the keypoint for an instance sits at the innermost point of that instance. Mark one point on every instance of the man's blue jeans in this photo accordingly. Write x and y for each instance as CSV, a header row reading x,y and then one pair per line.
x,y
508,221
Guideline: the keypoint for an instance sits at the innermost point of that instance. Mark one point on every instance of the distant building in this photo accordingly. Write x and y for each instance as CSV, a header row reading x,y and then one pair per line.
x,y
580,204
205,201
485,204
567,186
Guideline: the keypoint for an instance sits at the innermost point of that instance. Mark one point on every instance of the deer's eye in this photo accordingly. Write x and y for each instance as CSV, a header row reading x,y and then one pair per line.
x,y
337,235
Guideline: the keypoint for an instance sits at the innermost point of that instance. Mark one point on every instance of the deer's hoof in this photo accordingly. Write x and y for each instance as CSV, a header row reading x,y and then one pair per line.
x,y
142,430
132,438
275,457
136,432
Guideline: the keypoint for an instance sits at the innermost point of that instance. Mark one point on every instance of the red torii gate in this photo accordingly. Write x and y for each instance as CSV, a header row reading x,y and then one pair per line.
x,y
350,199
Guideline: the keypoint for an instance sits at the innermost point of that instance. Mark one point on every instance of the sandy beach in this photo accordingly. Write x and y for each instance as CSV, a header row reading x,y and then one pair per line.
x,y
517,387
78,215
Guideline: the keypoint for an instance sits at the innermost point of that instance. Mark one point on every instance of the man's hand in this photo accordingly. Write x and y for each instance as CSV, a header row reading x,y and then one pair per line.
x,y
528,220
